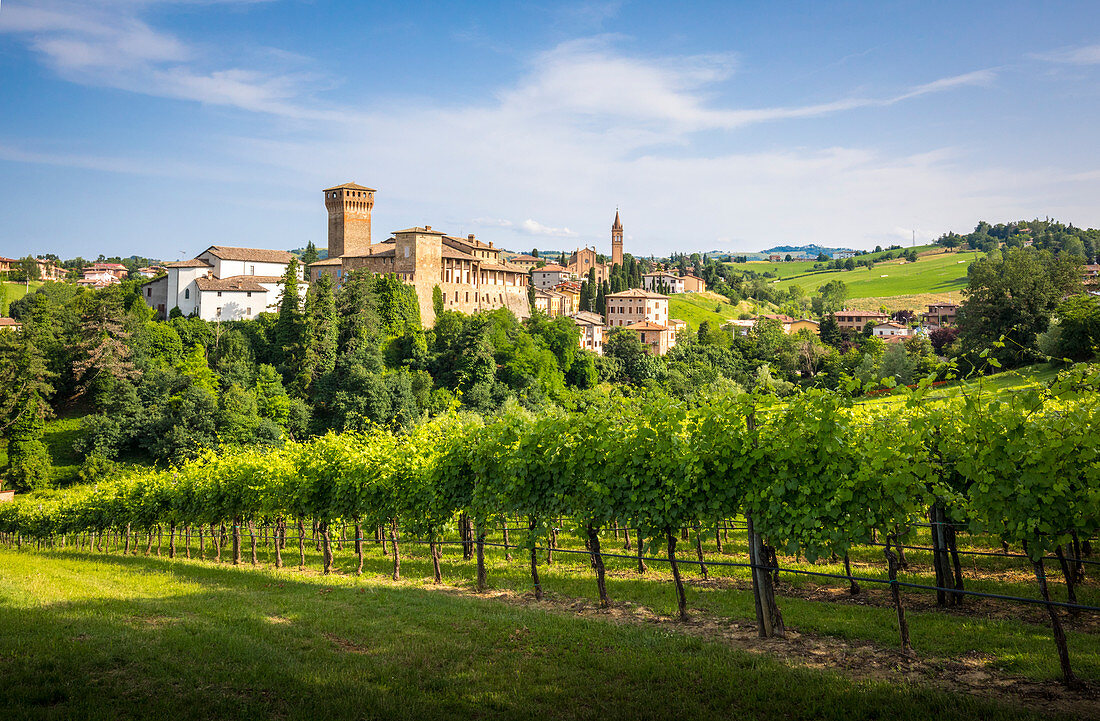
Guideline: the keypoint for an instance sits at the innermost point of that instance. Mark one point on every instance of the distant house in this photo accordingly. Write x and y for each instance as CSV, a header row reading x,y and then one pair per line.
x,y
785,320
655,281
572,290
693,284
775,258
1090,275
857,319
891,330
101,275
524,261
635,306
47,269
151,271
844,254
804,324
740,327
6,264
940,315
10,324
591,327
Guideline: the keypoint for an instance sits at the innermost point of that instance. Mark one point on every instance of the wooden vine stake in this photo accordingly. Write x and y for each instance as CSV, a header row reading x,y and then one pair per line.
x,y
895,592
1068,677
597,561
769,621
681,599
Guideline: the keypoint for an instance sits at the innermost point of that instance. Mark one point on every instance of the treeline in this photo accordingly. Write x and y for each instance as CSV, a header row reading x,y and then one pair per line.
x,y
1058,238
813,476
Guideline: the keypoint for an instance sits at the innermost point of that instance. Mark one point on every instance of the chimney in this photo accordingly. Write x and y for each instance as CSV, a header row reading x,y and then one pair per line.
x,y
490,244
427,227
470,237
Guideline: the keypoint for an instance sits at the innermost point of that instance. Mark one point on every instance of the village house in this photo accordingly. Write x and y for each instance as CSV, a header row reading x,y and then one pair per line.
x,y
693,284
549,276
552,303
940,315
527,262
571,289
646,314
856,320
804,324
6,264
220,283
592,328
468,272
9,324
844,254
891,330
656,282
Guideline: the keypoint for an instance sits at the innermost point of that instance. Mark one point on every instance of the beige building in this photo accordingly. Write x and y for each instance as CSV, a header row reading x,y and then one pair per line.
x,y
693,284
857,319
941,315
891,330
811,325
552,303
636,305
468,272
572,289
527,262
584,259
656,338
591,327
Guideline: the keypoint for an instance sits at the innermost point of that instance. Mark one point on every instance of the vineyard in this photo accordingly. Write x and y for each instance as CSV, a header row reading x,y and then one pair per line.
x,y
740,489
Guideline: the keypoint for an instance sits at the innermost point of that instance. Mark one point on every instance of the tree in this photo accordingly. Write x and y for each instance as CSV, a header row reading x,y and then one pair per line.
x,y
437,300
28,458
829,331
310,256
1014,297
291,334
833,294
321,324
1079,328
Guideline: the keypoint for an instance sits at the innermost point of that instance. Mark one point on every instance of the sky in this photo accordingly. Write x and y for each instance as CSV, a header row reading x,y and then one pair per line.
x,y
160,127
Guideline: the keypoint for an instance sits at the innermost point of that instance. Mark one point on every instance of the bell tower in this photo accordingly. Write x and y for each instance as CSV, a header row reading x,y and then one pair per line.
x,y
617,241
349,207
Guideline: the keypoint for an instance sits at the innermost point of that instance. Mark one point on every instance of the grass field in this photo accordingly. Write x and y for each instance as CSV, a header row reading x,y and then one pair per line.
x,y
10,291
694,308
104,636
934,273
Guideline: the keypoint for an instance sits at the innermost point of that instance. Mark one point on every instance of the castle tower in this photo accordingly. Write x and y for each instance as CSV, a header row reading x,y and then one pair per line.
x,y
349,206
617,241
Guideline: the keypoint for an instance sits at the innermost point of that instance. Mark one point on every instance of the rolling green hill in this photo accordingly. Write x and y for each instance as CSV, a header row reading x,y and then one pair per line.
x,y
10,290
694,308
934,273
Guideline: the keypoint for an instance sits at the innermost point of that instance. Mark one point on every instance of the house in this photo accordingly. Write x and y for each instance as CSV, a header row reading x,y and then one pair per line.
x,y
6,264
571,289
891,330
663,281
656,338
591,327
9,324
785,320
1090,275
635,306
775,258
740,327
940,315
101,275
552,303
151,271
467,271
549,275
220,283
527,262
855,320
844,254
693,284
804,324
47,269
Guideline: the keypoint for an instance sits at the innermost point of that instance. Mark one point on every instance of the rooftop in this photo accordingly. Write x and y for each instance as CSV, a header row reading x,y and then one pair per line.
x,y
637,293
258,255
550,268
645,325
193,263
426,230
348,186
241,283
588,318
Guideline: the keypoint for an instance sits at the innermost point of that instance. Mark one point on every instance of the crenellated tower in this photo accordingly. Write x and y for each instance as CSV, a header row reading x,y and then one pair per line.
x,y
349,208
617,241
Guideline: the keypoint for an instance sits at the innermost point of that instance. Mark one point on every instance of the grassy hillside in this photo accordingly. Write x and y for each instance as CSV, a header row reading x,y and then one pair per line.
x,y
10,291
938,273
694,308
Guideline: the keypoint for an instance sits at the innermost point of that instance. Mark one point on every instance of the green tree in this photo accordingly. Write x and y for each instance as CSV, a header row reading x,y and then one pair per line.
x,y
29,461
310,256
437,300
291,334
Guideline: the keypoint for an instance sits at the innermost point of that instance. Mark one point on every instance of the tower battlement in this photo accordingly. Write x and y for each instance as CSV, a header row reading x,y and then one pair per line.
x,y
349,224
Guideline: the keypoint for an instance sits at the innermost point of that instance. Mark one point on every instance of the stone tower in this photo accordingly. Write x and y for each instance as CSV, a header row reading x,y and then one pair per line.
x,y
349,206
617,241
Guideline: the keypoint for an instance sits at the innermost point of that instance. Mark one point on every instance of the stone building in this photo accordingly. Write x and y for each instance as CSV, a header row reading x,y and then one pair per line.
x,y
468,272
646,314
549,276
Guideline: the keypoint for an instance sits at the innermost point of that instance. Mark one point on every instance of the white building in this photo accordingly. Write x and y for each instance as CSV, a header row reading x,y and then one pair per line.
x,y
549,275
844,254
891,330
220,283
591,327
654,281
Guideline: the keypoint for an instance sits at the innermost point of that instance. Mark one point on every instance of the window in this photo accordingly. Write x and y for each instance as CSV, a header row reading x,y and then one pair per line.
x,y
252,270
248,294
248,311
219,312
406,251
148,292
187,293
219,294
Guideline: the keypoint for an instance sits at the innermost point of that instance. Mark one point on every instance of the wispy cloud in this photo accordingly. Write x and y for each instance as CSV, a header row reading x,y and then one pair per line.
x,y
1085,55
533,227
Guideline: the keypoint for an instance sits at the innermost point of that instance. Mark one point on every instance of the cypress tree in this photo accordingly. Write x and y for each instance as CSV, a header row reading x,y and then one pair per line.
x,y
29,460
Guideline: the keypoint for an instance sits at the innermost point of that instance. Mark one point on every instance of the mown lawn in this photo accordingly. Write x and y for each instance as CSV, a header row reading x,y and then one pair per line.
x,y
93,636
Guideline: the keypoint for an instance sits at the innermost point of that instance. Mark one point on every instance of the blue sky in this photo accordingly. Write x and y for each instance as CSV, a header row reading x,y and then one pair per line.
x,y
159,127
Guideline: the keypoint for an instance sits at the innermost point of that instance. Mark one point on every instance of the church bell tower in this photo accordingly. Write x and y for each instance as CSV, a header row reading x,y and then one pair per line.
x,y
617,241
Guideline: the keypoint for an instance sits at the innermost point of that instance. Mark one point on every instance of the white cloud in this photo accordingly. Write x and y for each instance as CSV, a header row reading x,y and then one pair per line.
x,y
533,227
1086,55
